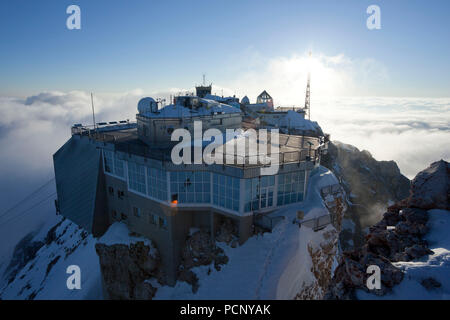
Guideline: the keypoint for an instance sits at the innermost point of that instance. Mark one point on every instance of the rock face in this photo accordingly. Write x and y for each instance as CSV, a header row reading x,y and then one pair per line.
x,y
397,237
200,250
126,270
24,251
323,255
370,184
430,188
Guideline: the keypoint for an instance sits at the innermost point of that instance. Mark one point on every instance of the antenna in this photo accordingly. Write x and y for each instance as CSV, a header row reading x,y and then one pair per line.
x,y
204,81
93,112
308,94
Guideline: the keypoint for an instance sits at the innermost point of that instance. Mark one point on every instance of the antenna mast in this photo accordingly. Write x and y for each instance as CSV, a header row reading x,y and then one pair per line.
x,y
308,93
93,112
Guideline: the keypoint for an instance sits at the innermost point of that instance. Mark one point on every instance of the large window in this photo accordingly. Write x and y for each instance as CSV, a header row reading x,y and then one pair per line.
x,y
113,164
136,177
190,187
291,187
108,156
259,193
157,183
226,191
119,167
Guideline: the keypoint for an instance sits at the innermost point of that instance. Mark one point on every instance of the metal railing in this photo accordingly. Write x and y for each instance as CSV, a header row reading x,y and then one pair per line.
x,y
266,222
163,153
318,223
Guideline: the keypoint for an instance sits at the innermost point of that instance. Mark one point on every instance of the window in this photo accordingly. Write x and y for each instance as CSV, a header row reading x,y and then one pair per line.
x,y
120,194
153,219
190,187
108,157
119,167
291,187
136,212
157,183
259,193
226,191
162,223
123,216
111,190
114,214
136,177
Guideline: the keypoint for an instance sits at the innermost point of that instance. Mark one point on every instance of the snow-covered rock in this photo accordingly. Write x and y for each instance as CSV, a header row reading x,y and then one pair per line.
x,y
127,263
430,188
44,275
372,185
400,245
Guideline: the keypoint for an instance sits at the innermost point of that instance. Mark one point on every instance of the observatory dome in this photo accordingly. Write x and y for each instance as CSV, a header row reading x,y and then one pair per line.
x,y
147,105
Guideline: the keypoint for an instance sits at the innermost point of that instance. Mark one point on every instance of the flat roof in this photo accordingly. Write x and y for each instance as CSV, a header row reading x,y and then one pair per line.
x,y
292,148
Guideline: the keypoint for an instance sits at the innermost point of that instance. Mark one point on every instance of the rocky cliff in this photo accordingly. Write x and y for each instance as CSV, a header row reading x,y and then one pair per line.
x,y
399,236
323,252
129,265
371,186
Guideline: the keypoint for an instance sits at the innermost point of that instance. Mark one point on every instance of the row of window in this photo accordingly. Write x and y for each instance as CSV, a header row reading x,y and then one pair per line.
x,y
195,187
226,191
290,187
120,193
149,217
156,184
190,187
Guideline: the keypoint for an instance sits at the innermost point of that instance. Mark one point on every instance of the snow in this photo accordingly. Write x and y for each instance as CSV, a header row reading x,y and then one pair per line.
x,y
436,265
118,233
71,249
259,269
344,146
295,120
178,111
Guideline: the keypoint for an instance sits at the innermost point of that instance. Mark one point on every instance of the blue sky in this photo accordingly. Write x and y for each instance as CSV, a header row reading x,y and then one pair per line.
x,y
156,45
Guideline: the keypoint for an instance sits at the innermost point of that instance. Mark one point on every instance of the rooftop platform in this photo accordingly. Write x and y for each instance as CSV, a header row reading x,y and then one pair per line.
x,y
292,148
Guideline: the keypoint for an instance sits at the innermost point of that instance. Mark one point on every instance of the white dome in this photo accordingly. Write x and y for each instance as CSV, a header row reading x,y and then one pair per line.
x,y
245,100
147,105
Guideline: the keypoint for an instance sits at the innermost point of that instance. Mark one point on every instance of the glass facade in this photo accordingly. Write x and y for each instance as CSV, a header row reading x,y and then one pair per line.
x,y
119,167
136,177
190,187
108,157
226,191
259,193
113,164
157,183
290,187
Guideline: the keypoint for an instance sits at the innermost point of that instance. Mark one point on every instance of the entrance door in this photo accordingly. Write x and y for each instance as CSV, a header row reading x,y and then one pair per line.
x,y
267,183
